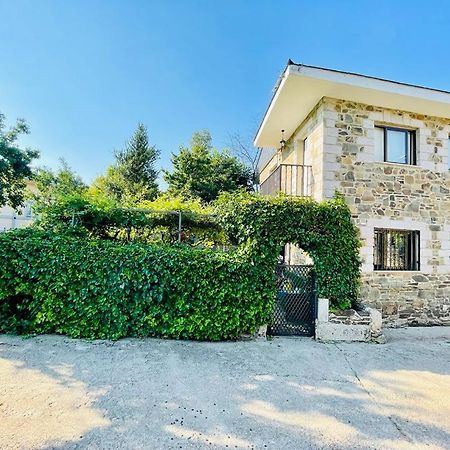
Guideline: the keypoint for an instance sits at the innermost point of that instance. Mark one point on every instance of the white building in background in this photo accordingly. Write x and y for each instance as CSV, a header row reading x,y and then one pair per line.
x,y
11,218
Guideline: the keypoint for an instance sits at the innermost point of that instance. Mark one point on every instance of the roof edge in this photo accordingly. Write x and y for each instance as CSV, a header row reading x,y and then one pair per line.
x,y
370,77
274,93
291,63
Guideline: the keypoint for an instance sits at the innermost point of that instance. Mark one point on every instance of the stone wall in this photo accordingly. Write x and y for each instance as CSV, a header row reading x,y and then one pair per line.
x,y
350,325
387,195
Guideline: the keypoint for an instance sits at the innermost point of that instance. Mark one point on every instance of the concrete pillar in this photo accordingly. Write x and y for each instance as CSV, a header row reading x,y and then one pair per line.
x,y
323,305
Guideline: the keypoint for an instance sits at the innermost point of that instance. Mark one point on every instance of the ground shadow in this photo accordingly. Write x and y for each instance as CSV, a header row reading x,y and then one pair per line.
x,y
285,393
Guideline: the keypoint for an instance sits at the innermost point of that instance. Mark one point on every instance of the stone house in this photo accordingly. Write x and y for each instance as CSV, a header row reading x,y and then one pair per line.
x,y
385,146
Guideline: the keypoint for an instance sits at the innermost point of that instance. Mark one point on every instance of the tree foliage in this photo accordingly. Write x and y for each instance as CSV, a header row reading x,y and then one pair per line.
x,y
53,186
133,176
242,147
199,171
14,163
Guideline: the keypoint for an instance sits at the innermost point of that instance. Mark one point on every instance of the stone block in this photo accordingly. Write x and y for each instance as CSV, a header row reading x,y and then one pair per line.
x,y
262,332
376,321
326,331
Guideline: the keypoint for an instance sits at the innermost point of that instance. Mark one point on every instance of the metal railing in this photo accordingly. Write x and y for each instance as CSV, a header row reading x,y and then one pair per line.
x,y
290,179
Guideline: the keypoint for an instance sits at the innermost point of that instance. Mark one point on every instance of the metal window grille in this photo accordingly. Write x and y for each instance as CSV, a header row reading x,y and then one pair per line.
x,y
396,250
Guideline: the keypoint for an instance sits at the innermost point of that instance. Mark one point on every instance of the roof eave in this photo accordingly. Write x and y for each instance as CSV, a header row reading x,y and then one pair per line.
x,y
357,86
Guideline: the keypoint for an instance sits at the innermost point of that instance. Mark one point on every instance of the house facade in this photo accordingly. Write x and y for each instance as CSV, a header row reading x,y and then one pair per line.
x,y
385,146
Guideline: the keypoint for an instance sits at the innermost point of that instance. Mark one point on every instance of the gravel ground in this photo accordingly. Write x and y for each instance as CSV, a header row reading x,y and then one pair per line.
x,y
285,393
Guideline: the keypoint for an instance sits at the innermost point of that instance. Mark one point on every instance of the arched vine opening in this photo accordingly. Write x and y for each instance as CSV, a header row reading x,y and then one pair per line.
x,y
261,226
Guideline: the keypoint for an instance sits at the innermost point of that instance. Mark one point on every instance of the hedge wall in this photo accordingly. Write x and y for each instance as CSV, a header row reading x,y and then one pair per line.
x,y
59,283
99,288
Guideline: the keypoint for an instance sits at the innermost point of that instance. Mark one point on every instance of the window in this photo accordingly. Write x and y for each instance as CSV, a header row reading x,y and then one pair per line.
x,y
396,250
395,145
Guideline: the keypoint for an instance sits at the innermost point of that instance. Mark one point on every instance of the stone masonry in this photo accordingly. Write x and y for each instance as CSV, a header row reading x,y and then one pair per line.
x,y
397,196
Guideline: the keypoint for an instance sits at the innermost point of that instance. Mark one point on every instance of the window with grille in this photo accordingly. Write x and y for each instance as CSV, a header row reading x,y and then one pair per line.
x,y
396,250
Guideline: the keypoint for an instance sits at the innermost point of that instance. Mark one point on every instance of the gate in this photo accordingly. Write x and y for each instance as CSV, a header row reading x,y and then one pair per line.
x,y
295,305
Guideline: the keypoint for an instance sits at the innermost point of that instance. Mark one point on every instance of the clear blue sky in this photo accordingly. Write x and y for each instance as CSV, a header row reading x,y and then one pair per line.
x,y
84,73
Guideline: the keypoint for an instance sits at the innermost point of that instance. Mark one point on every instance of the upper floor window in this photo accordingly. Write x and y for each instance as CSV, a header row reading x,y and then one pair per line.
x,y
396,249
395,145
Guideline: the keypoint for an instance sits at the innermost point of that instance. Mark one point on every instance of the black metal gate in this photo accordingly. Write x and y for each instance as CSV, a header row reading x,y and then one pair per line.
x,y
295,305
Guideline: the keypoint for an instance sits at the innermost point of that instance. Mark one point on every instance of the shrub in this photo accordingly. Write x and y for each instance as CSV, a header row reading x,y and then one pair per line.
x,y
63,283
74,283
155,221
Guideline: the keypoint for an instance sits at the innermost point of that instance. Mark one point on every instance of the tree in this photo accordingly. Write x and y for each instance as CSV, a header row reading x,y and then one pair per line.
x,y
242,147
14,163
53,187
132,178
199,171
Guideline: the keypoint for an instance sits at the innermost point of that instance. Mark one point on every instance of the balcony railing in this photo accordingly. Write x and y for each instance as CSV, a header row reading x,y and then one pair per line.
x,y
290,179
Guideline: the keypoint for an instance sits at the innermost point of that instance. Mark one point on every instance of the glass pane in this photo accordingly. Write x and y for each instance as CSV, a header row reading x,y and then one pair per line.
x,y
379,144
397,146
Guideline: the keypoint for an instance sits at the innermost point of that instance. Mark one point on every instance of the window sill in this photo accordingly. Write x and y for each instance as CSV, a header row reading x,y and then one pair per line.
x,y
396,271
398,164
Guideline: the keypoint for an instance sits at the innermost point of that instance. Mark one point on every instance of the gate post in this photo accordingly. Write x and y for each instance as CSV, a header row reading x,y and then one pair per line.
x,y
322,310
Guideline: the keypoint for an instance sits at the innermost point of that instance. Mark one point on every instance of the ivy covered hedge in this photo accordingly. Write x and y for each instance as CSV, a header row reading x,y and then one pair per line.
x,y
62,283
153,222
75,283
261,225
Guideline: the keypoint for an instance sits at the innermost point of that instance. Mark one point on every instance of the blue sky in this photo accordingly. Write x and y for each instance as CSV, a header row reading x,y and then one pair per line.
x,y
84,73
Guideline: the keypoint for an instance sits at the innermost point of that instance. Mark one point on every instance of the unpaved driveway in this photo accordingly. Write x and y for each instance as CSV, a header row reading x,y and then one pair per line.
x,y
288,393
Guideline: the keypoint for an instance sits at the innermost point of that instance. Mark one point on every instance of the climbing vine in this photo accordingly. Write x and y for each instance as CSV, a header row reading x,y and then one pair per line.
x,y
261,225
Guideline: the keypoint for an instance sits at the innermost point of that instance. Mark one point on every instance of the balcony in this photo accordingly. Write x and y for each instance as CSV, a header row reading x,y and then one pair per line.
x,y
290,179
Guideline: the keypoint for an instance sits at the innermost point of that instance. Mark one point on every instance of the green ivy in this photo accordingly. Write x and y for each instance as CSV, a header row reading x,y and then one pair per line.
x,y
74,283
261,225
61,283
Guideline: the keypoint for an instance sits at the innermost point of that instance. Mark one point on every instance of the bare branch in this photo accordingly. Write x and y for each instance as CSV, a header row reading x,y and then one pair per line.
x,y
243,149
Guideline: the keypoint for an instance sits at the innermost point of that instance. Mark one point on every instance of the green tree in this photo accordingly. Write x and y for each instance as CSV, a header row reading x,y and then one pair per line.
x,y
132,178
54,187
199,171
14,163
